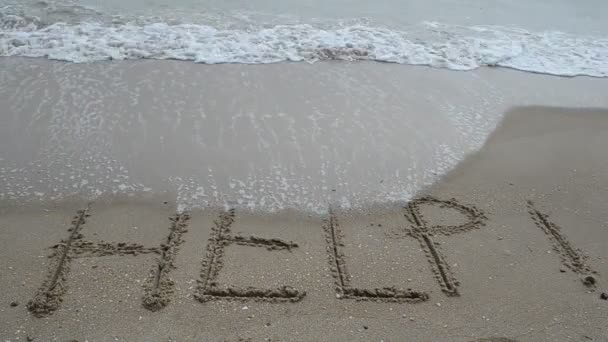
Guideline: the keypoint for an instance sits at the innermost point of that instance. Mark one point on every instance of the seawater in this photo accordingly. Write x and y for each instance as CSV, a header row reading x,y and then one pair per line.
x,y
259,32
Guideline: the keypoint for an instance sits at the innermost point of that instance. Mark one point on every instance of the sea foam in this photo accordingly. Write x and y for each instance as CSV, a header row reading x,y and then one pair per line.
x,y
433,44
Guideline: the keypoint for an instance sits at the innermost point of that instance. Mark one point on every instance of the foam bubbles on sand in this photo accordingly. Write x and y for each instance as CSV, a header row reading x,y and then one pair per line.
x,y
434,44
263,137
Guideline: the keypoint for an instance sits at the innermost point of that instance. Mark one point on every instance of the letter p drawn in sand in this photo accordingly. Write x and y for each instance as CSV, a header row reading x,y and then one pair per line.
x,y
422,231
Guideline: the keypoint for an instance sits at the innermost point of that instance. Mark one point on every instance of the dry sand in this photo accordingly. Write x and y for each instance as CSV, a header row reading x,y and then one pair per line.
x,y
501,249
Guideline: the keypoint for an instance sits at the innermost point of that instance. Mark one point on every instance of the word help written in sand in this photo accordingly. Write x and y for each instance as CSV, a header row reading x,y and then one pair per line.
x,y
159,287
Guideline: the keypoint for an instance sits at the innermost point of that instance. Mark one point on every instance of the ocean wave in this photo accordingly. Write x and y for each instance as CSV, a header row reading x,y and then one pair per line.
x,y
432,44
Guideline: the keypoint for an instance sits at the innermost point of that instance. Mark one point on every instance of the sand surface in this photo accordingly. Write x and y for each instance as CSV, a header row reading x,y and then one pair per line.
x,y
169,201
502,246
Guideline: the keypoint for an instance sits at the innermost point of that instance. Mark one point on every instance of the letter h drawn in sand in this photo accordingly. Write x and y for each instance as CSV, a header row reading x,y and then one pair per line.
x,y
221,237
344,290
423,232
157,288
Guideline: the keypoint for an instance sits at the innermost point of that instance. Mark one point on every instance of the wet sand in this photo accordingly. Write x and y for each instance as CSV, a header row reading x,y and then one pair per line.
x,y
502,246
263,137
169,201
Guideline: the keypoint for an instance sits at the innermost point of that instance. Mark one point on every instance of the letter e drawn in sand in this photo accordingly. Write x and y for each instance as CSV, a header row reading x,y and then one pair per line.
x,y
570,257
344,290
423,232
157,288
221,237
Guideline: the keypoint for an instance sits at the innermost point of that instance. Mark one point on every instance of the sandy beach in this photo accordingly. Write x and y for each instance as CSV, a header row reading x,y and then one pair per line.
x,y
506,241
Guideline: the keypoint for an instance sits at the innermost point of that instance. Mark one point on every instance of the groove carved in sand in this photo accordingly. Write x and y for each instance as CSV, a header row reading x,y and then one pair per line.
x,y
48,297
344,290
157,289
571,257
221,237
423,232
